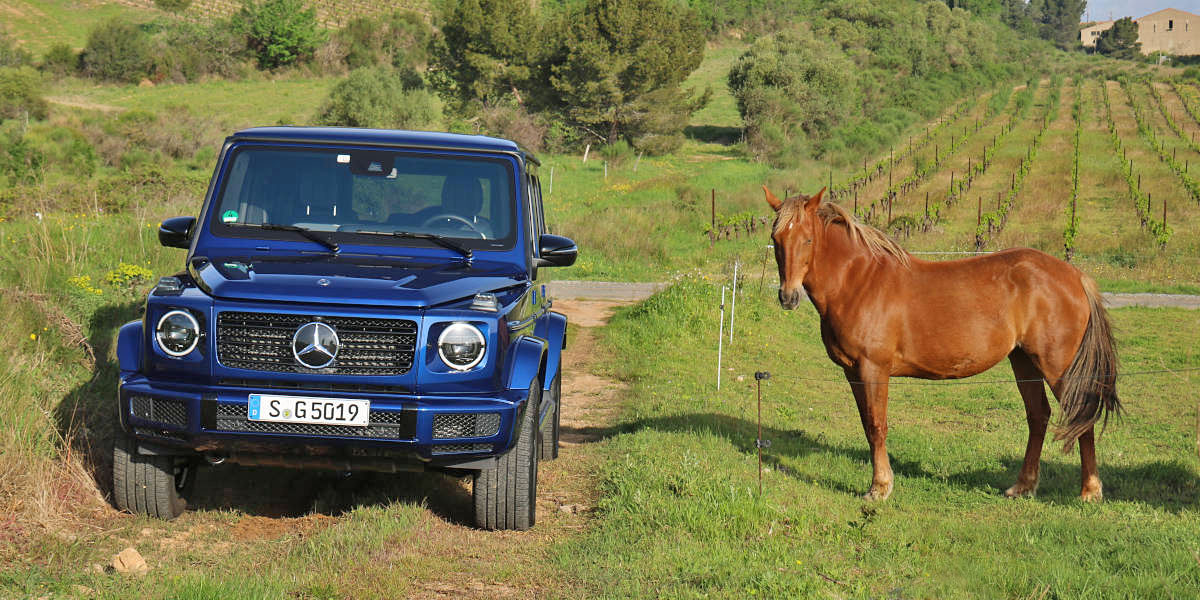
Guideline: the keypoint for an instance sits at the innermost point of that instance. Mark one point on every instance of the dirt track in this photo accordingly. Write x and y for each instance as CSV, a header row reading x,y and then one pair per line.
x,y
607,290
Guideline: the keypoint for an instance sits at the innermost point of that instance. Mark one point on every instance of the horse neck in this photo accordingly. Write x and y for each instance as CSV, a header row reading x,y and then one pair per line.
x,y
839,265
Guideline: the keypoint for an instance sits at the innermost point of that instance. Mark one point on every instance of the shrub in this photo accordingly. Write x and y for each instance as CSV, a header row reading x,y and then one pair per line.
x,y
12,55
377,97
60,60
21,94
280,32
117,50
516,124
192,51
20,161
400,39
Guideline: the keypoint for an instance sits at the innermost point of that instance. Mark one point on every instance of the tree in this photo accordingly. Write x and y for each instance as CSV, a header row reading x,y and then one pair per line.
x,y
792,85
619,69
1121,40
21,94
117,50
400,39
377,97
280,32
1058,20
486,52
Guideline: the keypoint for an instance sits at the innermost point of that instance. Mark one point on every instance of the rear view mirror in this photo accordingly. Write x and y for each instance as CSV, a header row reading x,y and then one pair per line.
x,y
176,232
556,251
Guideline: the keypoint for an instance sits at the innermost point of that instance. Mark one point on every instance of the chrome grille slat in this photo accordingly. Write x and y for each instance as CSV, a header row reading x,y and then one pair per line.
x,y
262,342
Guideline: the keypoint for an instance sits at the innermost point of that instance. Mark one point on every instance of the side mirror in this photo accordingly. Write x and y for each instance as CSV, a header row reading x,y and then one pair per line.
x,y
556,251
175,232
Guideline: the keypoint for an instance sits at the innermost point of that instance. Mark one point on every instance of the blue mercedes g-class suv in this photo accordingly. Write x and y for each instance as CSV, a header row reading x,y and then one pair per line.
x,y
351,299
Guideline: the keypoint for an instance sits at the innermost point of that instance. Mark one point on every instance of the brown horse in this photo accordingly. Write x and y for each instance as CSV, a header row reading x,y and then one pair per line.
x,y
887,314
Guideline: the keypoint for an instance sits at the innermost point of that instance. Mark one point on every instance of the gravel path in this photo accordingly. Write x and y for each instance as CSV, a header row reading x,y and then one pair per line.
x,y
630,292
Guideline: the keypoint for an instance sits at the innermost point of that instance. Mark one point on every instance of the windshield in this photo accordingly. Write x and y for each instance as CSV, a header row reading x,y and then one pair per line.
x,y
363,195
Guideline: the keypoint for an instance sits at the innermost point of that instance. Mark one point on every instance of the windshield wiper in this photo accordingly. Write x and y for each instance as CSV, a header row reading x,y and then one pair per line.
x,y
440,240
308,233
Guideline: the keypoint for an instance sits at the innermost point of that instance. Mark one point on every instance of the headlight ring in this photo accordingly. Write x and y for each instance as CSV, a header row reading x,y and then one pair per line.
x,y
177,333
461,346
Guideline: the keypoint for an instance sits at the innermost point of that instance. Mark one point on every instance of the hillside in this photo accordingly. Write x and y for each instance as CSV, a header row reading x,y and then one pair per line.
x,y
1073,155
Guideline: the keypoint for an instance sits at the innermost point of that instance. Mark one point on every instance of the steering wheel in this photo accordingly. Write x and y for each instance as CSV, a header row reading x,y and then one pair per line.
x,y
452,217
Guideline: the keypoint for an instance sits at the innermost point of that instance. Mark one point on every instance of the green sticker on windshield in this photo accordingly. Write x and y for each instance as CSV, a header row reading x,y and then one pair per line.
x,y
230,216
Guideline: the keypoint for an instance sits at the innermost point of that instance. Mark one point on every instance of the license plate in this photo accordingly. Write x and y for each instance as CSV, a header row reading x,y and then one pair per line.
x,y
314,411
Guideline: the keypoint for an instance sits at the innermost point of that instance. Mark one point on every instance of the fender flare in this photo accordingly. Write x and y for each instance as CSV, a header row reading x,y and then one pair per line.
x,y
525,360
553,329
129,347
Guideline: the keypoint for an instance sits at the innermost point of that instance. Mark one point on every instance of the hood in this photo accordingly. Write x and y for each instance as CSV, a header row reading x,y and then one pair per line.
x,y
351,280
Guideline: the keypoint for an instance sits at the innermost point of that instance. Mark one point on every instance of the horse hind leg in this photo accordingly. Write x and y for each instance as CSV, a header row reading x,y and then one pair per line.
x,y
1037,415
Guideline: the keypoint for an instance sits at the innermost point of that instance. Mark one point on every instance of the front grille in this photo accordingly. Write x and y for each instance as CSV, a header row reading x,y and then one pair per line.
x,y
384,424
461,448
275,384
465,425
263,342
171,412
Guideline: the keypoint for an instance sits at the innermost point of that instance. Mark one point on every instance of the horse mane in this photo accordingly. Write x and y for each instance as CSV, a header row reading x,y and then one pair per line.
x,y
875,241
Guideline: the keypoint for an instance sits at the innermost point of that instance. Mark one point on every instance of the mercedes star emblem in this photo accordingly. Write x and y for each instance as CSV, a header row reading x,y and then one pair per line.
x,y
315,345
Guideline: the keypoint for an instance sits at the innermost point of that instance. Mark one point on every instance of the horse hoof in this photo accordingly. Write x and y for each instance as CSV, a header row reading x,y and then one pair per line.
x,y
1021,491
877,493
1092,495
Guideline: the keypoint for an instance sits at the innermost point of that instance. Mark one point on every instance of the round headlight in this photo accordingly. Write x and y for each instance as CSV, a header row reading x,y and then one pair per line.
x,y
177,333
461,346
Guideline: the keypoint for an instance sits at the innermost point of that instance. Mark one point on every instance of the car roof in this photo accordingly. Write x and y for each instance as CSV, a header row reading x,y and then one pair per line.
x,y
382,137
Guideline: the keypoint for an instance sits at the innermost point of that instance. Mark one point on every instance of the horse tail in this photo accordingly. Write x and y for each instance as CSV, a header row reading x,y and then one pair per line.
x,y
1089,390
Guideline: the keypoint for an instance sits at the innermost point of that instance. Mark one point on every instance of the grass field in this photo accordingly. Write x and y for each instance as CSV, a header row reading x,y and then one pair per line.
x,y
680,479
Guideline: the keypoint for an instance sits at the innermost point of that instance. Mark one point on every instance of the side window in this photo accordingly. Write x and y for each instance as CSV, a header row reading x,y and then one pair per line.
x,y
538,207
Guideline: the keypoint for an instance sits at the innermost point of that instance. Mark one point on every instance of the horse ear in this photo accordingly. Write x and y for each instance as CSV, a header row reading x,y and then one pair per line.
x,y
772,200
814,201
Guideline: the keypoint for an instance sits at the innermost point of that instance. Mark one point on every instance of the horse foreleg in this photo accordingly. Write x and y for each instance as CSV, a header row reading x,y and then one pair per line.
x,y
870,393
1091,490
1037,415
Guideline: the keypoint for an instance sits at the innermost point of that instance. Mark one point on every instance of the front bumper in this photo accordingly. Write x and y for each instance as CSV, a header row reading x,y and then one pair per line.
x,y
406,431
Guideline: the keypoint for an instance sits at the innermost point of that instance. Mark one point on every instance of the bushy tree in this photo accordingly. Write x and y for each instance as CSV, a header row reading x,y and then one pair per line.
x,y
618,71
281,32
1058,20
60,60
117,50
190,51
21,94
792,85
1121,40
487,51
400,39
377,97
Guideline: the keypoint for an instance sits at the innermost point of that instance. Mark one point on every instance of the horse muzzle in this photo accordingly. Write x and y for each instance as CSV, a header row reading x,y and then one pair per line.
x,y
789,300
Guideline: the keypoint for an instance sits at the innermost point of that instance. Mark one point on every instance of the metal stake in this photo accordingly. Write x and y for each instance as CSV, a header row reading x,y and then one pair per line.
x,y
759,442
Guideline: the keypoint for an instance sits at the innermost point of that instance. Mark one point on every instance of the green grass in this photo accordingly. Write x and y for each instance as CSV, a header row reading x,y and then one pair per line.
x,y
290,100
41,24
682,517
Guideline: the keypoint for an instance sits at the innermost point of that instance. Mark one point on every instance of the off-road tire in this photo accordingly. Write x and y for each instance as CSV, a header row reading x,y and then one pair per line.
x,y
548,437
506,497
150,485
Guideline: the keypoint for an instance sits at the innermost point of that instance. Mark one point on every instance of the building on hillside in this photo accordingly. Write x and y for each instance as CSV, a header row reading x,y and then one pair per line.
x,y
1170,31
